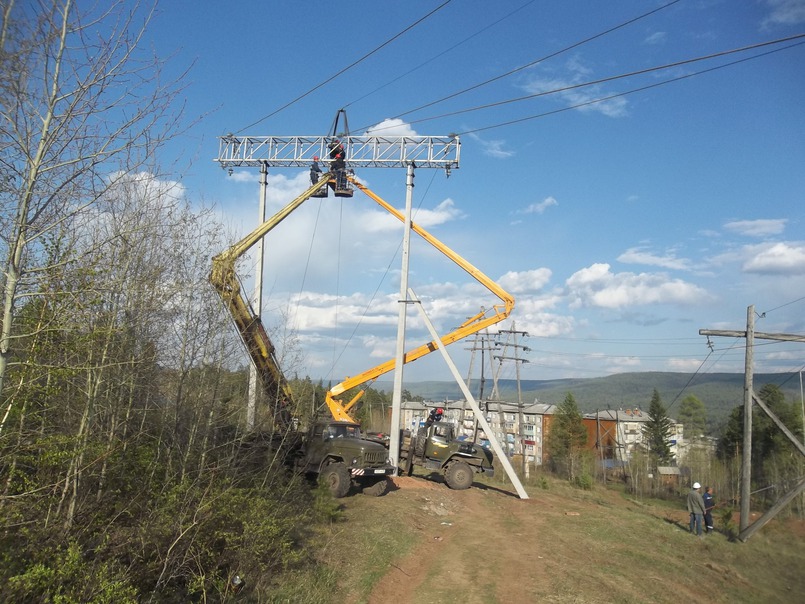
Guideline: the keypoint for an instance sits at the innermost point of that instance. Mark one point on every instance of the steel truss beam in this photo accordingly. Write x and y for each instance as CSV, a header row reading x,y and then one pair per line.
x,y
361,151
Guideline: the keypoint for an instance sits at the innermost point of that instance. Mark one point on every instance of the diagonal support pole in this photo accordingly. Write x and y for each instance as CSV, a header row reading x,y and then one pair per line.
x,y
504,460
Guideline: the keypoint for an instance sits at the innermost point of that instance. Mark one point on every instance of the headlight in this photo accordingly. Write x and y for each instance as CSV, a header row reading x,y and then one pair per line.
x,y
354,461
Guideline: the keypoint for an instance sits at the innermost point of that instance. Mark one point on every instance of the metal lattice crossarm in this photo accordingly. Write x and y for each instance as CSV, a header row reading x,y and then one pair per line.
x,y
361,151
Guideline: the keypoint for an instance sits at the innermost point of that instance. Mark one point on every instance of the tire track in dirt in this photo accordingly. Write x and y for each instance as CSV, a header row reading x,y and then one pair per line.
x,y
472,548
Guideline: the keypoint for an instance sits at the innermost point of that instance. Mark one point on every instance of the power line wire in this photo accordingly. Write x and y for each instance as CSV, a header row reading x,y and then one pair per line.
x,y
618,77
782,305
621,94
540,60
348,67
444,52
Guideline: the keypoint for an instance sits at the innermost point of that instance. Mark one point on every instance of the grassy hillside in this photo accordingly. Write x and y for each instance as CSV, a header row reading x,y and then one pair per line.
x,y
720,392
423,543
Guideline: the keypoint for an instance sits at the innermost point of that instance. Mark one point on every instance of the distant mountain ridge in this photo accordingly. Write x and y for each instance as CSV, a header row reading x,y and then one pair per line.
x,y
720,392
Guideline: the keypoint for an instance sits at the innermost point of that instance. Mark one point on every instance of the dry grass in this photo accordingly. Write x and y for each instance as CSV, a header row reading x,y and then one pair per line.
x,y
426,543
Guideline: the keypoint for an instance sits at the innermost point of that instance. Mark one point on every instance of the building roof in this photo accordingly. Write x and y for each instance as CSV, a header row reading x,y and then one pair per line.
x,y
623,415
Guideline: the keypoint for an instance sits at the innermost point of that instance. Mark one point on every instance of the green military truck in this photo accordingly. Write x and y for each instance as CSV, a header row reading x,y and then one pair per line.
x,y
338,454
435,447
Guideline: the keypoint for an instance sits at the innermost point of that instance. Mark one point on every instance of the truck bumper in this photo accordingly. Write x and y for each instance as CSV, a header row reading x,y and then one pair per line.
x,y
384,471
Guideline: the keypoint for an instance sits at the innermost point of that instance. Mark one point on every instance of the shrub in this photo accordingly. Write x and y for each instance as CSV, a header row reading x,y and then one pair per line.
x,y
584,481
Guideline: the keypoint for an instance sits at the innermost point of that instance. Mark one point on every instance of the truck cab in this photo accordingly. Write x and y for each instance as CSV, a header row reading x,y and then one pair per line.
x,y
339,454
435,448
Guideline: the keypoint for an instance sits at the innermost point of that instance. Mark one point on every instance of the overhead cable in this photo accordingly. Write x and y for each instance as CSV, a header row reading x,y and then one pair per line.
x,y
348,67
619,94
540,60
444,52
626,75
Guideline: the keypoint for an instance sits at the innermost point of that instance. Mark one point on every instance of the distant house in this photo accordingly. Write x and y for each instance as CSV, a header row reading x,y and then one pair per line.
x,y
669,476
619,432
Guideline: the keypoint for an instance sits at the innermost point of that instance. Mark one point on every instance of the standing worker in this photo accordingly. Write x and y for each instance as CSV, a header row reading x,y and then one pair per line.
x,y
707,497
315,170
696,508
338,165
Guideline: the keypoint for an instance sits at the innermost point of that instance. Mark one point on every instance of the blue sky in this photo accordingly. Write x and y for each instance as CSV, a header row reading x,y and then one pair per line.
x,y
621,227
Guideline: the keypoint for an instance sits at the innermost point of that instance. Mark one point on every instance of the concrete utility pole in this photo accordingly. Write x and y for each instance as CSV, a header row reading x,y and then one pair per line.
x,y
502,457
396,394
258,295
750,334
361,152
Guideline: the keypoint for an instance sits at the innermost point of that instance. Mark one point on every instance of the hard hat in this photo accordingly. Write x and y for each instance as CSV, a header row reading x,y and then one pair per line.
x,y
696,485
316,158
439,410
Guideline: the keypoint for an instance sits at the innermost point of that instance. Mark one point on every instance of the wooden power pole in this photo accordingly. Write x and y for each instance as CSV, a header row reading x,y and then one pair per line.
x,y
750,334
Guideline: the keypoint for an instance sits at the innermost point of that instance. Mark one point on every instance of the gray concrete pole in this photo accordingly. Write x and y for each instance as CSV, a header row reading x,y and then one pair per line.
x,y
396,398
258,295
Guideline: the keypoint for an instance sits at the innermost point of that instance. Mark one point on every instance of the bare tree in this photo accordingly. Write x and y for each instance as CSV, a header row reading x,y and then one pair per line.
x,y
81,107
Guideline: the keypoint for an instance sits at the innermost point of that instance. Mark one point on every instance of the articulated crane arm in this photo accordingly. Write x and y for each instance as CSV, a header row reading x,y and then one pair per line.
x,y
472,325
254,336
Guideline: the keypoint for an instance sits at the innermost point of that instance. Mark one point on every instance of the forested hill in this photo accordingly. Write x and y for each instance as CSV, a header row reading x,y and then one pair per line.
x,y
720,392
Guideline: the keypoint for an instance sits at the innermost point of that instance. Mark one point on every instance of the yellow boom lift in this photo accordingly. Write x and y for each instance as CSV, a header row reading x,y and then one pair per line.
x,y
256,339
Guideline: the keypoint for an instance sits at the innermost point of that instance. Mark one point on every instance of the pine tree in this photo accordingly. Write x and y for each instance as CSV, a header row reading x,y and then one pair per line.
x,y
567,438
657,431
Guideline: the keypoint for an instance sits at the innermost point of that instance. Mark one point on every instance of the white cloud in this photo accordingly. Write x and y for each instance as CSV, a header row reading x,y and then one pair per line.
x,y
684,365
757,228
777,258
540,207
597,286
785,12
525,281
658,37
380,221
566,90
391,127
638,255
545,325
493,148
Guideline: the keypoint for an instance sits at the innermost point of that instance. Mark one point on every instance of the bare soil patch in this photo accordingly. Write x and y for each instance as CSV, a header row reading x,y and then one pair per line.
x,y
486,545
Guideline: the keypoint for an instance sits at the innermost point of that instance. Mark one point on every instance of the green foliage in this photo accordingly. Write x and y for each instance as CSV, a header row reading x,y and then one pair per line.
x,y
584,481
567,438
657,432
693,416
68,576
725,520
775,461
767,438
326,508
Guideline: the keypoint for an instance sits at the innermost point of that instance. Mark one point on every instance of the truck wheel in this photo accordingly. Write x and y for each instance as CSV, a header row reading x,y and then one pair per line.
x,y
418,443
377,488
336,477
409,464
458,475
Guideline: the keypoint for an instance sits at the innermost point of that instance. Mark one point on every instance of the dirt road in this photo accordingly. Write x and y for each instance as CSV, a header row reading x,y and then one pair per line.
x,y
480,545
485,545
